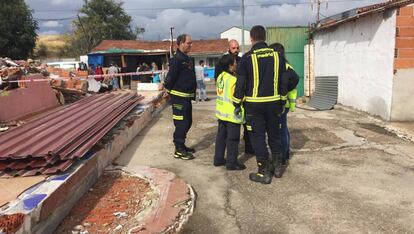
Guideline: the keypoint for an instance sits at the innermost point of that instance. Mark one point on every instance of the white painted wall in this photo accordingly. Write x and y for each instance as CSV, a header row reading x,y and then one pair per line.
x,y
361,54
236,34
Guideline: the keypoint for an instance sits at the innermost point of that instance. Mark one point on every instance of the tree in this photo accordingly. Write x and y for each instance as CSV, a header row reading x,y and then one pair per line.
x,y
41,52
100,20
17,29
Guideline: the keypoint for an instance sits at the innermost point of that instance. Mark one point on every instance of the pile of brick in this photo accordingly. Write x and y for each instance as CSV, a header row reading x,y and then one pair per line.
x,y
65,79
13,71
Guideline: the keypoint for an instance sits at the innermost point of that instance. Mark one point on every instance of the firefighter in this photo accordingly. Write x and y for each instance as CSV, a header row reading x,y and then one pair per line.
x,y
228,134
180,84
260,85
290,105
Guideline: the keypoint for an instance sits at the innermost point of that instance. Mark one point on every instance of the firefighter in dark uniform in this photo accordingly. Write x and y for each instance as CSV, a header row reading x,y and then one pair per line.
x,y
234,50
260,87
290,105
180,84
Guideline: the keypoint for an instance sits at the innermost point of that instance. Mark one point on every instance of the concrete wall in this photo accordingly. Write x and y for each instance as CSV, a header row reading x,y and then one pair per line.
x,y
22,102
235,33
361,54
403,96
403,90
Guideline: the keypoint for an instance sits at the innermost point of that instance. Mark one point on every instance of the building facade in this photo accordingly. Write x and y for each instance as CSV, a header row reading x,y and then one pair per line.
x,y
371,51
235,33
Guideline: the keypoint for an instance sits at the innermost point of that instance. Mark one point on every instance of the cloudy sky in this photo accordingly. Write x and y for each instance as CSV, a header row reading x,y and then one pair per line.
x,y
201,18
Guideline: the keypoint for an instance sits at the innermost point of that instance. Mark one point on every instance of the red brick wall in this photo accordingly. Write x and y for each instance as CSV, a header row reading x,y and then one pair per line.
x,y
404,48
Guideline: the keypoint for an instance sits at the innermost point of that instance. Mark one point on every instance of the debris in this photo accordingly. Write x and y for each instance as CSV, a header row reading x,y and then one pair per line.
x,y
121,215
3,129
78,228
104,215
119,227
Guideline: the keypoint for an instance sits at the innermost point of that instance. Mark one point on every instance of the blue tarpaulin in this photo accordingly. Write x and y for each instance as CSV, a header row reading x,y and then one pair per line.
x,y
95,60
209,72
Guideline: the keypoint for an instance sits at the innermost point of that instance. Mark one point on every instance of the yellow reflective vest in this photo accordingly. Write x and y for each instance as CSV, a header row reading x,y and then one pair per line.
x,y
224,103
292,95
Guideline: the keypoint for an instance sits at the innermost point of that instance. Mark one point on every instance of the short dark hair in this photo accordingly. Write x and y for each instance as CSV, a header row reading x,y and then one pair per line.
x,y
201,61
258,33
280,49
226,61
181,38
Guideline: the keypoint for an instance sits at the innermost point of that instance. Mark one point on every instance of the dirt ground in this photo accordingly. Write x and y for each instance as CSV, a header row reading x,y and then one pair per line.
x,y
108,207
347,175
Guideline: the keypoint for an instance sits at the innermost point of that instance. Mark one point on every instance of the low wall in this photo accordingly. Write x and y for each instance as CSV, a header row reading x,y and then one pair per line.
x,y
21,102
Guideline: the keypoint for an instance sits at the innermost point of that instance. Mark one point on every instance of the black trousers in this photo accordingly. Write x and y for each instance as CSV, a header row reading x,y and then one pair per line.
x,y
228,136
264,119
248,148
183,118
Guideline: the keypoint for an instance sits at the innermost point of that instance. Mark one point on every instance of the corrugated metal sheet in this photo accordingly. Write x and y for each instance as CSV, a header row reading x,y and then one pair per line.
x,y
294,40
326,93
51,143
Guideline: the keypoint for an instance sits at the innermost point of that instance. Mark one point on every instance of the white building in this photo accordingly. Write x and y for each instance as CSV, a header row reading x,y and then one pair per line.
x,y
371,51
235,33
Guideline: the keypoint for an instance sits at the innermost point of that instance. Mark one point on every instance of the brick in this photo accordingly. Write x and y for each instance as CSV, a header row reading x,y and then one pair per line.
x,y
406,53
406,31
65,190
405,43
403,63
405,21
406,11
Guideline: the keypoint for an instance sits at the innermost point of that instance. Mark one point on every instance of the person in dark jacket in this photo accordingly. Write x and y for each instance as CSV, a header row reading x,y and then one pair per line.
x,y
234,49
293,80
180,84
260,85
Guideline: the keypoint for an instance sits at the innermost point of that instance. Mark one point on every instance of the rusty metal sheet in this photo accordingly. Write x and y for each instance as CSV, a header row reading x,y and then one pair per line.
x,y
51,143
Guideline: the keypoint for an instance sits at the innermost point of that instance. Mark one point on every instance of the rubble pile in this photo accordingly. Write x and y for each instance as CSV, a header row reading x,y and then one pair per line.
x,y
12,71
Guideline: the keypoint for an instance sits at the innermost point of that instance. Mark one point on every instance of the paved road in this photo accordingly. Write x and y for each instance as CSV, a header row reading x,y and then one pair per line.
x,y
348,175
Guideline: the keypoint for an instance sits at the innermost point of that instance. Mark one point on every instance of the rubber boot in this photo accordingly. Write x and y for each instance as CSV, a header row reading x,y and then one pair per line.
x,y
182,153
263,174
279,169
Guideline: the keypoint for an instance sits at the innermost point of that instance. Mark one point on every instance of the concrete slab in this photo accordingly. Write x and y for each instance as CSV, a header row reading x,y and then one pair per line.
x,y
12,187
348,174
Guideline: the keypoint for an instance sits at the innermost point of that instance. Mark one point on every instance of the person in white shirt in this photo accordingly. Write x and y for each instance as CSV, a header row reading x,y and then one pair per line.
x,y
201,86
112,70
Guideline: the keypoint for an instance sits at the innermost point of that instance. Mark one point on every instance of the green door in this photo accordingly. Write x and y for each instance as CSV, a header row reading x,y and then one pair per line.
x,y
294,40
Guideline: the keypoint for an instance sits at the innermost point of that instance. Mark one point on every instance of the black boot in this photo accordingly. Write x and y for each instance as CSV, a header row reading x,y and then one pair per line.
x,y
278,166
263,175
188,149
182,153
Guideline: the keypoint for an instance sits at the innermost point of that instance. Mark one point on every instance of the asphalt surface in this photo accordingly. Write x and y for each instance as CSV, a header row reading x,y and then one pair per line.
x,y
347,175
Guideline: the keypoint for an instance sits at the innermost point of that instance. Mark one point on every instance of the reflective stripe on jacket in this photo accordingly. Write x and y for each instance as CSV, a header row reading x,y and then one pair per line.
x,y
258,76
181,80
292,95
224,103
